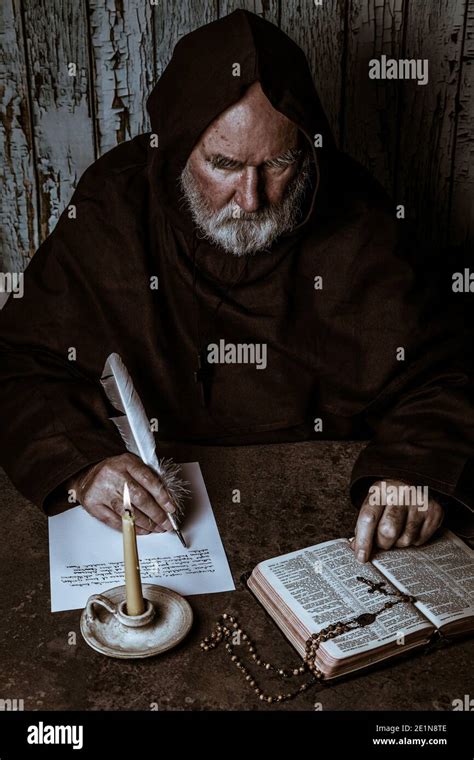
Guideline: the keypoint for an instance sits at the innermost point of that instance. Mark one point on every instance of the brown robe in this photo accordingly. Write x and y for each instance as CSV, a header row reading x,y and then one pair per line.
x,y
332,352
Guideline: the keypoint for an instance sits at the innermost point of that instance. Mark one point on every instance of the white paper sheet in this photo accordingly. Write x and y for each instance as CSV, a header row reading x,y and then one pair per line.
x,y
86,556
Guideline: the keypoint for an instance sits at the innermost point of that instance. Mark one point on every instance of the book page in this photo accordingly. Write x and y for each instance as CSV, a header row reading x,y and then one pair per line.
x,y
319,585
439,574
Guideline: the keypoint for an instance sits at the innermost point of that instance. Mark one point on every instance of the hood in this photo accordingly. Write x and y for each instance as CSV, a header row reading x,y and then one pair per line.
x,y
198,84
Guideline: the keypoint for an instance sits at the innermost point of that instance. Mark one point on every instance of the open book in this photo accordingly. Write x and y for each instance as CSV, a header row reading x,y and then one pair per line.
x,y
307,590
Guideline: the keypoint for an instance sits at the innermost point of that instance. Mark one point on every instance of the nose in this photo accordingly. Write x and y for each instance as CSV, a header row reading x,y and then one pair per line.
x,y
247,194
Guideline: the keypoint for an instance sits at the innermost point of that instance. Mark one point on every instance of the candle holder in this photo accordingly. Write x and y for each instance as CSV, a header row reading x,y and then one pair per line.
x,y
108,629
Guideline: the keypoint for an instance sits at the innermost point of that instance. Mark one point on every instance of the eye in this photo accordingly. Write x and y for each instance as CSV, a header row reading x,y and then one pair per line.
x,y
279,166
223,164
283,162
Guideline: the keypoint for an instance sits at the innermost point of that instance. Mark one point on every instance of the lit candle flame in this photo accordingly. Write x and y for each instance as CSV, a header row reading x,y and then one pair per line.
x,y
127,506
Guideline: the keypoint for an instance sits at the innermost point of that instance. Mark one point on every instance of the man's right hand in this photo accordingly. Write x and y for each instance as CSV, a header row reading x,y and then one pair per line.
x,y
99,488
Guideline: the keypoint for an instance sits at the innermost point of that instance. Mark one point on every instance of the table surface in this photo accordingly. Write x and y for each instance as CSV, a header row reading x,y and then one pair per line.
x,y
291,496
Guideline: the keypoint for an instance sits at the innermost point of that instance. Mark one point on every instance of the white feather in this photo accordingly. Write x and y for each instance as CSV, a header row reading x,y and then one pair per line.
x,y
134,427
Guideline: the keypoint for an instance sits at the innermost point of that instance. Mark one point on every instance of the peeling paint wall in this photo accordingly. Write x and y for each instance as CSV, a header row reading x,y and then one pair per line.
x,y
57,70
55,120
19,201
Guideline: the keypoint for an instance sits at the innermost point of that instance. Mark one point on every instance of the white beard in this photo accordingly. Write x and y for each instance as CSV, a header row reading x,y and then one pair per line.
x,y
240,232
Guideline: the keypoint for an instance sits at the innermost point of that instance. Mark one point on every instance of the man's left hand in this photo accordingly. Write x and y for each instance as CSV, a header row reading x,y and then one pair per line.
x,y
394,521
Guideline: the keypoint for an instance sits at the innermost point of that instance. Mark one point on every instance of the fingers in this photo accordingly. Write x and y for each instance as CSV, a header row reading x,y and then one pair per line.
x,y
106,515
392,516
109,516
105,484
147,513
414,523
150,481
365,529
434,519
391,525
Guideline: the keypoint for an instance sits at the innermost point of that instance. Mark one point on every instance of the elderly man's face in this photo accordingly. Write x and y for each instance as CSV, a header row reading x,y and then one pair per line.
x,y
245,178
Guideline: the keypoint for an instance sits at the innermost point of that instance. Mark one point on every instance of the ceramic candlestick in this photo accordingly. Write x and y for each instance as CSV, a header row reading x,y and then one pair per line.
x,y
108,629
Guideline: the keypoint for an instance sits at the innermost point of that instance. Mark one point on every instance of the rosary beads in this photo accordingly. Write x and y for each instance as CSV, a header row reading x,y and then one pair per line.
x,y
228,628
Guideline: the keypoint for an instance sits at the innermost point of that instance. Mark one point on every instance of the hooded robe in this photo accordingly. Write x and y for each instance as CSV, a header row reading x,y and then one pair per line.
x,y
334,300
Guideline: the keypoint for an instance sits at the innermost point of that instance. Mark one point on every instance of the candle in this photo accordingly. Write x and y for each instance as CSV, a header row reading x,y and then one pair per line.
x,y
135,603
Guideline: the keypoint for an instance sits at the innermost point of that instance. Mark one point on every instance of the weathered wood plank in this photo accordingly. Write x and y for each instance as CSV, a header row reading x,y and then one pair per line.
x,y
131,38
123,68
319,31
63,127
269,9
375,28
172,20
18,213
462,208
428,123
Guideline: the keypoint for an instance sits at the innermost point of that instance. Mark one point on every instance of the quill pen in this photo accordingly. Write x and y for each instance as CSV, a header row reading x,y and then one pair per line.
x,y
134,427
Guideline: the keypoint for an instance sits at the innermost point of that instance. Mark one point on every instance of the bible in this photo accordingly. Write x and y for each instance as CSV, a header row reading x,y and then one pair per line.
x,y
308,590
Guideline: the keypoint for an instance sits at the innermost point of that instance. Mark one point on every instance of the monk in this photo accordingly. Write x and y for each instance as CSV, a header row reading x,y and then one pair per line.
x,y
259,288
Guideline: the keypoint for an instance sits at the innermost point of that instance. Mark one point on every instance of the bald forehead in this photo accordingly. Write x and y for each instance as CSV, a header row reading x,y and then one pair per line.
x,y
251,130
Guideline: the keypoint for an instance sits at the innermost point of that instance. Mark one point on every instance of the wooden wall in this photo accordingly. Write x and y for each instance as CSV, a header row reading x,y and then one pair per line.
x,y
417,140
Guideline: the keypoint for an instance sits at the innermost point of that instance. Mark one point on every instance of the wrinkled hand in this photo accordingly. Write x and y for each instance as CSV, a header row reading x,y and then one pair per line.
x,y
99,489
395,521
